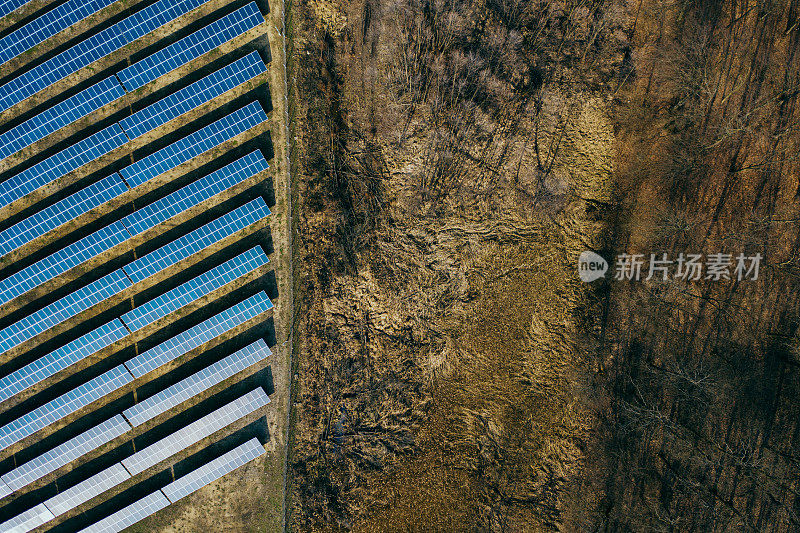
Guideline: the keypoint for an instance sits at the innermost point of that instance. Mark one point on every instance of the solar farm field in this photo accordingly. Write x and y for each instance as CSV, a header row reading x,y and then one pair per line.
x,y
145,266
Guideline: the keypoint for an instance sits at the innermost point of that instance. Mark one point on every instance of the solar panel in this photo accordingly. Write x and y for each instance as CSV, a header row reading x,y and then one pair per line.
x,y
182,487
193,96
182,343
189,196
65,453
60,213
63,309
61,261
191,47
8,6
194,144
28,520
196,431
131,514
48,25
197,383
60,115
193,242
61,164
90,50
62,358
194,289
4,490
63,406
84,491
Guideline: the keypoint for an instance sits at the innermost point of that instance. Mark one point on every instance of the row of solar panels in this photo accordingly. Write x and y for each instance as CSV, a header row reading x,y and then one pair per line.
x,y
150,456
118,329
135,416
126,32
140,366
141,73
160,213
106,190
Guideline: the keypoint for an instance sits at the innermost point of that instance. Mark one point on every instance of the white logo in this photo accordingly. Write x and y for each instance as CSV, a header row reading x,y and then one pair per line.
x,y
591,266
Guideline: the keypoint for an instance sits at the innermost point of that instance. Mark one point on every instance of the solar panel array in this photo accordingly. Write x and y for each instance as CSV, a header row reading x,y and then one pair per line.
x,y
190,339
61,212
60,115
9,6
66,453
84,491
191,47
186,197
59,165
197,383
91,363
194,144
90,50
64,405
191,243
194,289
61,358
62,310
193,481
195,95
129,515
28,520
48,25
116,233
196,431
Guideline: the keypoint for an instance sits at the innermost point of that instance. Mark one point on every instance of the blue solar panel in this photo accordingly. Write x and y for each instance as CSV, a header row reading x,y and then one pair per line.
x,y
48,25
90,50
63,406
194,95
197,383
192,338
189,196
65,453
193,242
61,261
194,144
62,358
60,213
5,490
63,309
7,6
195,288
209,472
61,164
191,47
60,115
